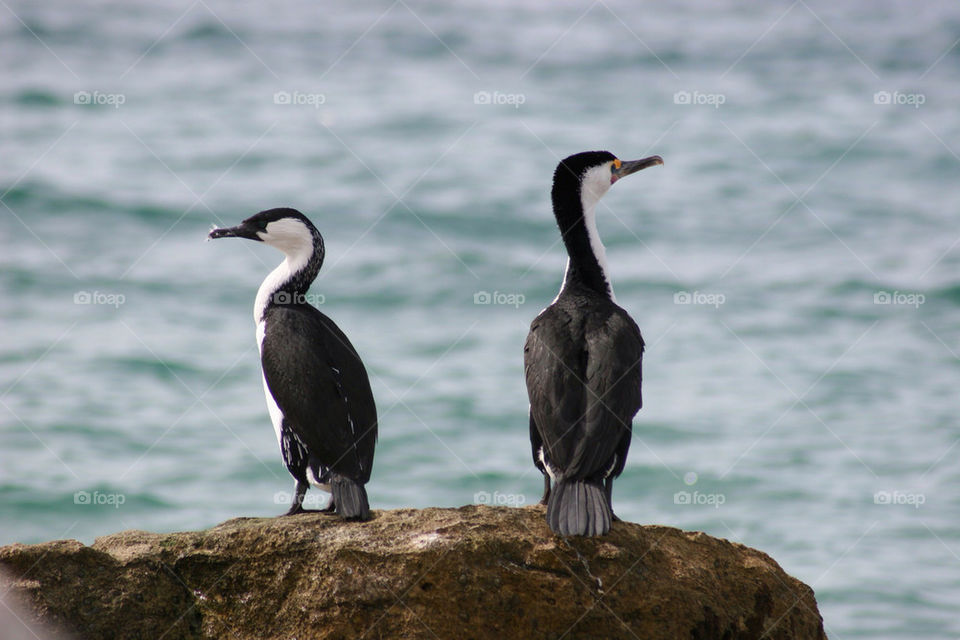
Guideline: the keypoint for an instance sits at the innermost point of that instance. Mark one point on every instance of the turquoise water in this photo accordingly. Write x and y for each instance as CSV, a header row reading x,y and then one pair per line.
x,y
804,402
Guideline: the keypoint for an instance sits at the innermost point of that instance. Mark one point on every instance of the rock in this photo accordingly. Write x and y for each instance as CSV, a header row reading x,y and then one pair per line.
x,y
472,572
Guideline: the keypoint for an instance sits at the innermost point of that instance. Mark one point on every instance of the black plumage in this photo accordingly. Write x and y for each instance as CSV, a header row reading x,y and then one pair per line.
x,y
583,361
327,423
320,384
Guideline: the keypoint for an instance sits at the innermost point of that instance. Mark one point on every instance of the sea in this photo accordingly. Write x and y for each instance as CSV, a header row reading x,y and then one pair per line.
x,y
794,265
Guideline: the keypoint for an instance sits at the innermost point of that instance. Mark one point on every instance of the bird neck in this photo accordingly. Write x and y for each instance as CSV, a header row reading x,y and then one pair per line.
x,y
587,264
288,283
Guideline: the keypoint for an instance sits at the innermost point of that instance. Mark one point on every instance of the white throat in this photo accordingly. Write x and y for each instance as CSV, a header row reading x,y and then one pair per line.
x,y
594,184
590,221
599,251
294,262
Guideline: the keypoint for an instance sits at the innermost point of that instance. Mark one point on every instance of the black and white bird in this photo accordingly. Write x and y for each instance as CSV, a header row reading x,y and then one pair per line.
x,y
318,393
583,359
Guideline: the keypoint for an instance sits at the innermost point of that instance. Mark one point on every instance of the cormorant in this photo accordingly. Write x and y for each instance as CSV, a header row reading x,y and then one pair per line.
x,y
318,393
583,359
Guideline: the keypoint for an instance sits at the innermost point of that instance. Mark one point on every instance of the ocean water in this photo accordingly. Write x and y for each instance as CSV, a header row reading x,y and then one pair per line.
x,y
794,266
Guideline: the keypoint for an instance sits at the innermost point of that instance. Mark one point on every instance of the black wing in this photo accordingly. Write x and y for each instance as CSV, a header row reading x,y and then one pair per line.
x,y
322,388
614,377
583,381
552,367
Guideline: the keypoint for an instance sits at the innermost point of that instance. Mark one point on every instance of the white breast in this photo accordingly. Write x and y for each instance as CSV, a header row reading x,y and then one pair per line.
x,y
276,416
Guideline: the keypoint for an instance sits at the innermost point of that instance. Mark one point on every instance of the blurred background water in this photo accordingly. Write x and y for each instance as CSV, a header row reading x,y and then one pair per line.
x,y
793,266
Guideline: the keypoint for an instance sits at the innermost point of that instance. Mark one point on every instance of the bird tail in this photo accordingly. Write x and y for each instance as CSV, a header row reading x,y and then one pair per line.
x,y
579,508
349,498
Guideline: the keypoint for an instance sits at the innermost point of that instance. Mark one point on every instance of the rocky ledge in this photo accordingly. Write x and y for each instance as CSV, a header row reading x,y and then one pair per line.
x,y
472,572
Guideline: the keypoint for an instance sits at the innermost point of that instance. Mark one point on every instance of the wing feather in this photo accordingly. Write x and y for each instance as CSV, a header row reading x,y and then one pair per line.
x,y
583,381
322,388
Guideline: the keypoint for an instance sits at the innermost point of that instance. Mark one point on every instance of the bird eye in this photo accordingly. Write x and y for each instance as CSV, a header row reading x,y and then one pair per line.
x,y
262,225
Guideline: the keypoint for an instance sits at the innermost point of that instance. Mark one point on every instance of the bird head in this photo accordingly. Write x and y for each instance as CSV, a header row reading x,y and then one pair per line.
x,y
285,229
592,173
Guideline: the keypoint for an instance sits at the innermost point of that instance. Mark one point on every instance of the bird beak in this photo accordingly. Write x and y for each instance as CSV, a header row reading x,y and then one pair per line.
x,y
632,166
239,231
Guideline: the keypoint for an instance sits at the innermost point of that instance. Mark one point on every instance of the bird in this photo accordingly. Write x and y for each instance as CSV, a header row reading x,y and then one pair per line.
x,y
317,389
583,359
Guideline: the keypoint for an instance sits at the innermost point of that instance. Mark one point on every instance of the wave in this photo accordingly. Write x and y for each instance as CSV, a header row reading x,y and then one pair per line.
x,y
207,31
27,499
37,97
41,198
